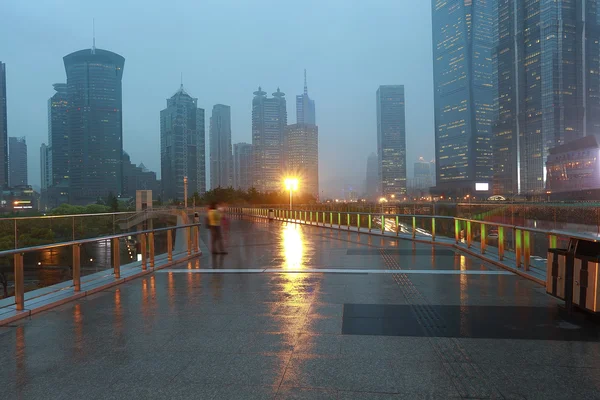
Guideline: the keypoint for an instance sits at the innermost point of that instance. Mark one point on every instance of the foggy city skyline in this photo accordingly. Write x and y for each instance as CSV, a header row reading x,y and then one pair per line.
x,y
224,51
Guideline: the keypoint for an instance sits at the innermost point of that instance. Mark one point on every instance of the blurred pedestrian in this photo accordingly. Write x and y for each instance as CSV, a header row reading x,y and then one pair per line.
x,y
214,224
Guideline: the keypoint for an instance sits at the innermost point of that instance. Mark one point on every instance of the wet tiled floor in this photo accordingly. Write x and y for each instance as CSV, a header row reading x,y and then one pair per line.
x,y
182,333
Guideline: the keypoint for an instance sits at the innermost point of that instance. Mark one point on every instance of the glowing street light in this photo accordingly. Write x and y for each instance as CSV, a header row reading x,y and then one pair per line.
x,y
291,184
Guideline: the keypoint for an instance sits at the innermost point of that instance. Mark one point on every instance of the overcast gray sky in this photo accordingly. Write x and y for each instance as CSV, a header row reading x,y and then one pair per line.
x,y
225,49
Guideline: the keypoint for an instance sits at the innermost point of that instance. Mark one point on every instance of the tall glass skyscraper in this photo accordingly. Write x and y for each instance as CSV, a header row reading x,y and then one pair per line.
x,y
182,147
391,140
58,137
464,37
221,170
94,124
3,129
305,107
548,61
269,119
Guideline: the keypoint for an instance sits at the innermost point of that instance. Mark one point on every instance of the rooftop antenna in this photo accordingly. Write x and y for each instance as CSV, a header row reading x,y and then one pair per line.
x,y
93,35
305,85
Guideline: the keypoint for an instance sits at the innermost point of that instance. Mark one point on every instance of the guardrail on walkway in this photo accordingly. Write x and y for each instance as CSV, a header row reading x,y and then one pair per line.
x,y
523,245
145,238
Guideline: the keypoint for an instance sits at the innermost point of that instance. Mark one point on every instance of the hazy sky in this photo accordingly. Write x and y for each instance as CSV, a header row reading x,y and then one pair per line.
x,y
225,49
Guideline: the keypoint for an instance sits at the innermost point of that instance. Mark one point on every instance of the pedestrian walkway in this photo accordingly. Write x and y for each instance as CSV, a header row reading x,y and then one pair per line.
x,y
301,312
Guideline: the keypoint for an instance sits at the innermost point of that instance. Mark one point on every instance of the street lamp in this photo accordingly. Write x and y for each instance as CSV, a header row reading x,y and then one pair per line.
x,y
381,201
291,184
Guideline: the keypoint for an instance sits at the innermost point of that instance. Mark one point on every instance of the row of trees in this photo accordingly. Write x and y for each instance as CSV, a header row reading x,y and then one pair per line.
x,y
252,196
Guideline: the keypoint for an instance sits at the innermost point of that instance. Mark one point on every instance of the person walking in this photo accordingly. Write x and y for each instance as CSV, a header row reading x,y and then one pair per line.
x,y
214,224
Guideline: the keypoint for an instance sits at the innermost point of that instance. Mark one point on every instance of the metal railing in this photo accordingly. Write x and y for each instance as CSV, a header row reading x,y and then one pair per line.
x,y
146,240
506,240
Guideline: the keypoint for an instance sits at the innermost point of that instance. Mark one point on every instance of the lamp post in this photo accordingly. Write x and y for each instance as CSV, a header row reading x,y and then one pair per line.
x,y
185,191
291,184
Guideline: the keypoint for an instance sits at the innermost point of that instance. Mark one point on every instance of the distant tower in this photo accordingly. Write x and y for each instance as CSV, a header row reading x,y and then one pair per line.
x,y
3,129
220,147
94,124
302,156
242,166
372,181
269,119
391,140
17,165
182,146
305,107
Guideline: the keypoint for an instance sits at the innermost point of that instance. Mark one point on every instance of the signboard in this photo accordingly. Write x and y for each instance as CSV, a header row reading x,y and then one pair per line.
x,y
482,186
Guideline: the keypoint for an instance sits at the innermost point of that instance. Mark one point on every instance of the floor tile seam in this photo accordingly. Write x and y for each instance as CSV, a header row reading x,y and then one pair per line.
x,y
287,364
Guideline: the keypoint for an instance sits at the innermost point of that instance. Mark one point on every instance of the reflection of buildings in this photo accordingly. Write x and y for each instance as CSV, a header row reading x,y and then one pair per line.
x,y
549,88
221,173
17,161
302,156
137,178
3,129
242,166
182,146
464,36
269,119
574,170
94,124
391,140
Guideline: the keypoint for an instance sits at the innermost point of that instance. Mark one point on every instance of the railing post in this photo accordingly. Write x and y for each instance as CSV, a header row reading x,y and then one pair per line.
x,y
552,241
397,225
526,250
331,219
197,238
518,247
170,245
370,222
383,224
348,221
483,237
358,221
414,226
143,250
311,217
433,229
189,241
469,234
500,243
151,250
19,282
457,230
116,255
77,267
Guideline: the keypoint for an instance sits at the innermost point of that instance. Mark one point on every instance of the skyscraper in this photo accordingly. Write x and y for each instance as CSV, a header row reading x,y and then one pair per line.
x,y
94,124
372,181
464,37
17,161
269,119
242,166
220,147
391,140
3,128
58,137
548,63
302,156
182,146
44,167
305,107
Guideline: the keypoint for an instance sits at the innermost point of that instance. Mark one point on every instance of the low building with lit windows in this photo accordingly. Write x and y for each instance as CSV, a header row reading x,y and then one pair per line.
x,y
573,170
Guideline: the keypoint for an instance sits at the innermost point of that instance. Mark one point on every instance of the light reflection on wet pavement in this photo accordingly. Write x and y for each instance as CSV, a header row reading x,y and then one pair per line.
x,y
178,334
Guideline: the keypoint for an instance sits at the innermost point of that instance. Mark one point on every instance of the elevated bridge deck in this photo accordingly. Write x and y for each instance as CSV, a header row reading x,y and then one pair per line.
x,y
301,312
